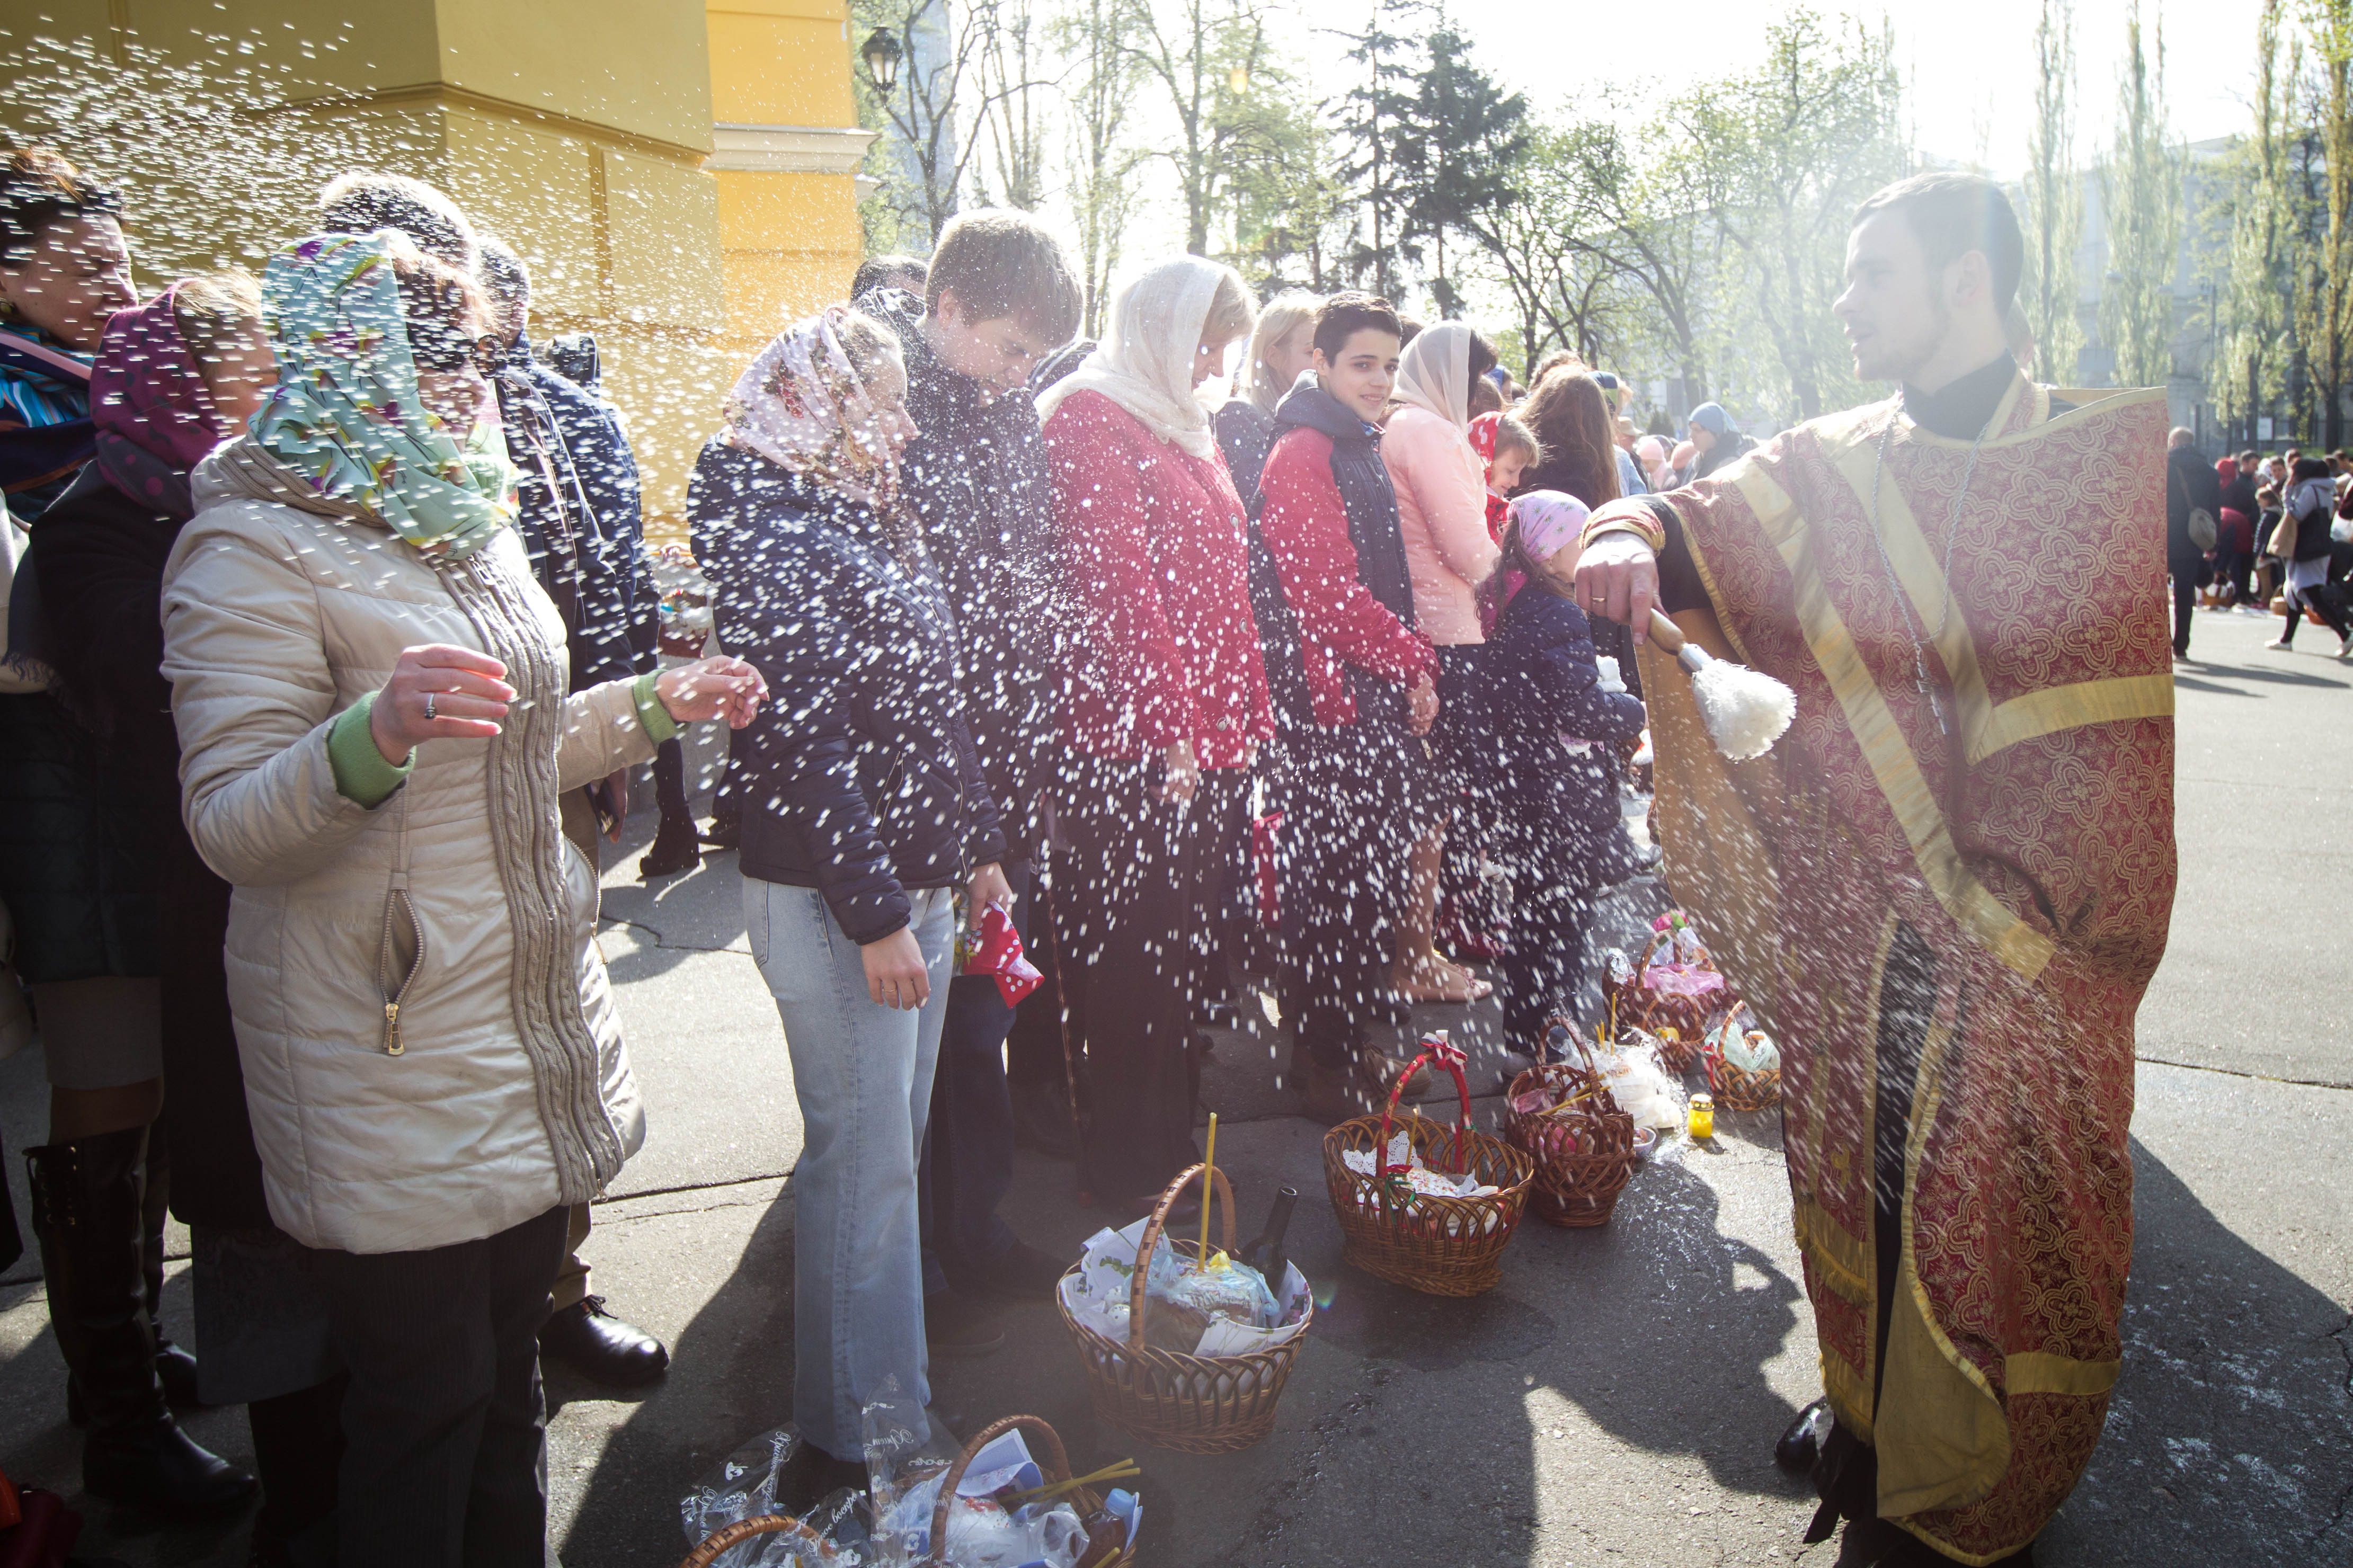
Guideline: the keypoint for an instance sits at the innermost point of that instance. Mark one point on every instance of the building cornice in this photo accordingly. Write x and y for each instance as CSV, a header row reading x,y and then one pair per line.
x,y
441,93
789,149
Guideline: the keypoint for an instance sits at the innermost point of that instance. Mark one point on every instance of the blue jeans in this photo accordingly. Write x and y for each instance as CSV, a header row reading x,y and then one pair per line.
x,y
863,1073
968,1155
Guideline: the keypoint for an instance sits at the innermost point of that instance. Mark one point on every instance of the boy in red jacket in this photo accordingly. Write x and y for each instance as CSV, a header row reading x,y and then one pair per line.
x,y
1358,796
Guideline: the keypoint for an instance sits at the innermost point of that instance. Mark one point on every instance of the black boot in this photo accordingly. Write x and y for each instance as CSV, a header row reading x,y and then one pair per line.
x,y
675,848
173,1365
87,1211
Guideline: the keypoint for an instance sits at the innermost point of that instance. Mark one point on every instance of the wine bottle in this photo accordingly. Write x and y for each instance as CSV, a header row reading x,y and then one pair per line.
x,y
1266,1254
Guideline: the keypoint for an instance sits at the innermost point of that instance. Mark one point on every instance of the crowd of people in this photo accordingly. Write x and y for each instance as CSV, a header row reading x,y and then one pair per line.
x,y
2254,531
332,648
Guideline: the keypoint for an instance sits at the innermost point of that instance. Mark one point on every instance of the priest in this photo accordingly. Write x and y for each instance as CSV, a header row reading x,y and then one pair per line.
x,y
1947,888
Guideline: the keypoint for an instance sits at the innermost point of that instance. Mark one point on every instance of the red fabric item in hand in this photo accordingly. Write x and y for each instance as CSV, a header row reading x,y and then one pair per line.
x,y
998,954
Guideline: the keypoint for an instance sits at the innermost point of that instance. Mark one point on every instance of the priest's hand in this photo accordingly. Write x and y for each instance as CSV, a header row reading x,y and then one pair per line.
x,y
1618,576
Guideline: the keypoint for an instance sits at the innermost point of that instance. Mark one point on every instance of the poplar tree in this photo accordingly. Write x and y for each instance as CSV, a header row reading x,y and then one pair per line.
x,y
2140,197
2054,198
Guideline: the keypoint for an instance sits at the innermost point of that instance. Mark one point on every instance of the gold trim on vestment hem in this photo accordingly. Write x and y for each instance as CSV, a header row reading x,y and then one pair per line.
x,y
2055,707
1950,1446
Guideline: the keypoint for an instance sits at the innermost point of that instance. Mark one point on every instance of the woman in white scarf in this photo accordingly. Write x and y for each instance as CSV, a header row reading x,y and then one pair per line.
x,y
1166,704
1441,496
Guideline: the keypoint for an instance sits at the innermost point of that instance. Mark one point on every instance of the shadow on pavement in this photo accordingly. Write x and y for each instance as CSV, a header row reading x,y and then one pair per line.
x,y
2230,1436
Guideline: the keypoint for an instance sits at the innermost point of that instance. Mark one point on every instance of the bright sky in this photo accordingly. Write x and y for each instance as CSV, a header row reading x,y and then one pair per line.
x,y
1969,66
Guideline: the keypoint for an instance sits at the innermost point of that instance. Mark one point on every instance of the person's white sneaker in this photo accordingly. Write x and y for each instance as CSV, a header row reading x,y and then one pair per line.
x,y
2345,650
2281,643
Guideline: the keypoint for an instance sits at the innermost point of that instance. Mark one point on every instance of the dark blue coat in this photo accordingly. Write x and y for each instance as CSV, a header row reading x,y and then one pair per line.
x,y
859,777
977,477
1535,686
586,531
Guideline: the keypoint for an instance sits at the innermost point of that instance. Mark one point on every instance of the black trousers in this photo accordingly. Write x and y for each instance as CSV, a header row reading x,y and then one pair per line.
x,y
444,1458
967,1163
1351,822
2184,596
2327,599
1551,905
1130,904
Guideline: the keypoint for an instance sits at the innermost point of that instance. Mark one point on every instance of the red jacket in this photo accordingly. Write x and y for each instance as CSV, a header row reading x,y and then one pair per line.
x,y
1305,525
1157,577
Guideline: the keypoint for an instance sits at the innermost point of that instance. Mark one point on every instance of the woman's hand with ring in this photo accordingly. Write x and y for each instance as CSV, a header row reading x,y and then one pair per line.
x,y
439,692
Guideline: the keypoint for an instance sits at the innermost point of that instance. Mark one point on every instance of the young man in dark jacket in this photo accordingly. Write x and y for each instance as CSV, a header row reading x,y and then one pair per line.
x,y
998,297
1360,771
580,520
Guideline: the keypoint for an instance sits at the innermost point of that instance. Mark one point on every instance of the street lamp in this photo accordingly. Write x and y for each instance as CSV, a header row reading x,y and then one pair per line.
x,y
881,52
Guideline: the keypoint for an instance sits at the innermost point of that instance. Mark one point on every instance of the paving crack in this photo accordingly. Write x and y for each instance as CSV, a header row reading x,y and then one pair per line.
x,y
663,943
2241,1072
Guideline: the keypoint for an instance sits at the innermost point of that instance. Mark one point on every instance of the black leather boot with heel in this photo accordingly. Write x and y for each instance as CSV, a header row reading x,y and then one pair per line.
x,y
90,1219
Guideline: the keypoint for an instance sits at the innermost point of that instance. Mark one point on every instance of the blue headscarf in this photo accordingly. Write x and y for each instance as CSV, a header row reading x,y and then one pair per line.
x,y
1712,419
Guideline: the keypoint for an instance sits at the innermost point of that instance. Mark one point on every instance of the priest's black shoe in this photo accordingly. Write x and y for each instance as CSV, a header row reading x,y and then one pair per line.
x,y
1801,1445
598,1345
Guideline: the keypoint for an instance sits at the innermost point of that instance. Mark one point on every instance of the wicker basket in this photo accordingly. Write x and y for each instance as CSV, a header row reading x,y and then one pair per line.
x,y
1583,1158
1056,1463
1444,1247
1739,1087
818,1549
1190,1404
1679,1023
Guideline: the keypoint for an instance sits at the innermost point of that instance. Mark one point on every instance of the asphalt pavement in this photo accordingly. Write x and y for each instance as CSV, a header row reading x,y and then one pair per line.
x,y
1615,1400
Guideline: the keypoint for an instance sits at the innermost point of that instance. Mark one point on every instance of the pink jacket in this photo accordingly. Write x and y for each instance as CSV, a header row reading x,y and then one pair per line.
x,y
1441,496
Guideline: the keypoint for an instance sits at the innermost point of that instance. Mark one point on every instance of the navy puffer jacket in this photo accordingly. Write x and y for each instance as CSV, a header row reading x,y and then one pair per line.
x,y
1533,694
859,777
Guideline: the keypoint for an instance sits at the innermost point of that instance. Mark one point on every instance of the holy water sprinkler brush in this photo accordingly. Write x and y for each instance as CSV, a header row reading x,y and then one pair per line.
x,y
1744,711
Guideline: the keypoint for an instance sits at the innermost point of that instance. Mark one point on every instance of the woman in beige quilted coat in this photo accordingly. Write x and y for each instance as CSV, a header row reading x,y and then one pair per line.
x,y
370,691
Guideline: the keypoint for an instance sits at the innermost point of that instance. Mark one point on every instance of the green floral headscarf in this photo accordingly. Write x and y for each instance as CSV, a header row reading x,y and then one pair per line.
x,y
347,417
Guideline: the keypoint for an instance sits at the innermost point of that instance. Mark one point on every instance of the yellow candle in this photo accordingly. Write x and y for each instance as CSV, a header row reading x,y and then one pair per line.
x,y
1208,1170
1703,1115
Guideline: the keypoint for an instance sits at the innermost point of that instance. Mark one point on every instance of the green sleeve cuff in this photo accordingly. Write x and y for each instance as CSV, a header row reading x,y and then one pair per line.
x,y
361,776
656,718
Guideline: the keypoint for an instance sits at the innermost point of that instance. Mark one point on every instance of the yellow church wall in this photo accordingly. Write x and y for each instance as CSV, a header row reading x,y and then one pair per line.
x,y
641,66
791,243
582,131
780,62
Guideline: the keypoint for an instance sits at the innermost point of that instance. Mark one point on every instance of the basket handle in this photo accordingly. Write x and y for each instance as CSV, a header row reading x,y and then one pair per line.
x,y
1657,939
1158,1222
1448,1055
1058,1469
705,1554
1711,1051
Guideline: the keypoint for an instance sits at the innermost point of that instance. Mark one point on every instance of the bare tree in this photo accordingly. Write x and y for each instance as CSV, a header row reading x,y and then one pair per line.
x,y
1218,69
1011,75
1098,84
1781,158
938,112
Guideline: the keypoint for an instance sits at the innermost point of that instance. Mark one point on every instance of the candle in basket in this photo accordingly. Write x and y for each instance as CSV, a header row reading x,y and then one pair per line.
x,y
1703,1115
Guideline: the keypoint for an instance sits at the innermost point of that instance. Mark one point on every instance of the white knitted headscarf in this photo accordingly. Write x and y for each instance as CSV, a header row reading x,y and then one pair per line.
x,y
1146,363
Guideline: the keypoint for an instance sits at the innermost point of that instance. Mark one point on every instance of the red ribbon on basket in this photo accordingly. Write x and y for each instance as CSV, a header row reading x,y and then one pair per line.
x,y
1439,1050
